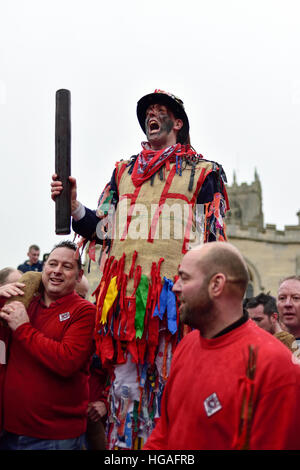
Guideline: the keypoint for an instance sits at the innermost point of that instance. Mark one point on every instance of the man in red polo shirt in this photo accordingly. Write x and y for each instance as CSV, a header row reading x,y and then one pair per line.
x,y
46,385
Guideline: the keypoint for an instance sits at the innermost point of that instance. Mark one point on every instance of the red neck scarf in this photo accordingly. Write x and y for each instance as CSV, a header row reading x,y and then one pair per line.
x,y
149,161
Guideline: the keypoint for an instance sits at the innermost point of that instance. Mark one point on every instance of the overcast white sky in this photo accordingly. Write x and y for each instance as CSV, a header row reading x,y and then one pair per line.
x,y
235,64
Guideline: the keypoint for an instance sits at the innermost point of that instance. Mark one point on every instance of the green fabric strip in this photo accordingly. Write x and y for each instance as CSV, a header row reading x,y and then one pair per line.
x,y
141,302
105,205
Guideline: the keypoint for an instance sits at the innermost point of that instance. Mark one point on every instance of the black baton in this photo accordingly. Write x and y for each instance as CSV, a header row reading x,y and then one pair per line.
x,y
63,161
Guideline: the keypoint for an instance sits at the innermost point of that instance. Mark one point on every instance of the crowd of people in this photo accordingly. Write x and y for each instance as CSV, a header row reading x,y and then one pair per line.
x,y
170,354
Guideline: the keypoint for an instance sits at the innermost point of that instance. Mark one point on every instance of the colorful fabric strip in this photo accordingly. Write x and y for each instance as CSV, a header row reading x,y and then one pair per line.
x,y
167,303
110,297
141,302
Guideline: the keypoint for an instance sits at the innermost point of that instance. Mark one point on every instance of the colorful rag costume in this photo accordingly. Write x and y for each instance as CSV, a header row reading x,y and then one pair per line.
x,y
219,398
157,204
155,207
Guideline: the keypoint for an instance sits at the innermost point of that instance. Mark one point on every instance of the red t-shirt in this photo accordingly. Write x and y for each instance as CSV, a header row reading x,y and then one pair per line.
x,y
202,401
46,389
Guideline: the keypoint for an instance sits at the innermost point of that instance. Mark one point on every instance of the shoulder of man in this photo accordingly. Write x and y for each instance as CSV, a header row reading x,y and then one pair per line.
x,y
126,162
69,310
81,310
216,168
24,266
83,305
185,344
72,301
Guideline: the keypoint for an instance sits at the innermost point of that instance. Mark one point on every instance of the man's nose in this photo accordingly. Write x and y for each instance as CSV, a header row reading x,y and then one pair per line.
x,y
151,114
153,110
176,287
288,302
57,269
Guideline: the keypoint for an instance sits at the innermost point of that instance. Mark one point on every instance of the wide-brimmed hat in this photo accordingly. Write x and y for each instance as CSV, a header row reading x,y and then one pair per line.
x,y
174,103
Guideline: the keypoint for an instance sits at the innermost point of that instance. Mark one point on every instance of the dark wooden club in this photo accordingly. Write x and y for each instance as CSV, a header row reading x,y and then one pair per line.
x,y
63,161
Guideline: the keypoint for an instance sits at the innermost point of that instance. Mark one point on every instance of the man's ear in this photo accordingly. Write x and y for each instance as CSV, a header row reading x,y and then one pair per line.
x,y
274,318
80,274
178,124
216,285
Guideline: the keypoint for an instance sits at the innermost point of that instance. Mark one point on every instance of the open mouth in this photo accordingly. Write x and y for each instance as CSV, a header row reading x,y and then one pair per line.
x,y
153,126
56,281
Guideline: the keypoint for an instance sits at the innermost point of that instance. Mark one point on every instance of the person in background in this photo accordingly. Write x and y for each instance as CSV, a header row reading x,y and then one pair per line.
x,y
288,304
33,263
45,257
263,310
9,275
82,288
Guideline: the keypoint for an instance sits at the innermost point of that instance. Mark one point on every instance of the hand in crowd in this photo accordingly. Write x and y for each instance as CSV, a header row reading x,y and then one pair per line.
x,y
9,290
96,410
57,187
278,326
15,314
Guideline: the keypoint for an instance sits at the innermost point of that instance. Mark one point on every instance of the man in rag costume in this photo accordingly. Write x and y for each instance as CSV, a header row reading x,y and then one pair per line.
x,y
157,204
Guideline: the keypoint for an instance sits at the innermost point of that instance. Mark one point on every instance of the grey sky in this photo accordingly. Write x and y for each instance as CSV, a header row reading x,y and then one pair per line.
x,y
235,64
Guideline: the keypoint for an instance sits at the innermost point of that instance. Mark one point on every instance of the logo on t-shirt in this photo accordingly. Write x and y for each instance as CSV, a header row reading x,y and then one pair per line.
x,y
212,404
64,316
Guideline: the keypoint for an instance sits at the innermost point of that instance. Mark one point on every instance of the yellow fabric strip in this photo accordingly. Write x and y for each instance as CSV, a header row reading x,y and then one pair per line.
x,y
110,297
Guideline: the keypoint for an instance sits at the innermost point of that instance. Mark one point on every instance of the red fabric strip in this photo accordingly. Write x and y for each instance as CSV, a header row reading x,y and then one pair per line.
x,y
200,182
132,264
177,196
160,205
130,212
